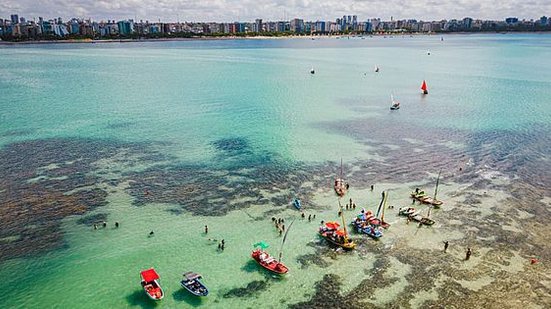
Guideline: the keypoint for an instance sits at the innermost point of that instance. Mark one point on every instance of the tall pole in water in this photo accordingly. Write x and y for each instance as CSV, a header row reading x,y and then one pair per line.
x,y
283,241
437,182
385,196
341,168
342,218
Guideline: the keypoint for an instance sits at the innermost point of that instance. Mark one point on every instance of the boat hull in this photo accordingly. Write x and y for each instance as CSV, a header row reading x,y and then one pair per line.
x,y
340,187
348,245
153,290
406,211
297,204
422,220
369,230
268,262
199,289
425,199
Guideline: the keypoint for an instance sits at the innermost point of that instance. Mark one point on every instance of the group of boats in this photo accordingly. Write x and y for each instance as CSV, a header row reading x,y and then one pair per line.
x,y
372,224
366,222
191,282
396,105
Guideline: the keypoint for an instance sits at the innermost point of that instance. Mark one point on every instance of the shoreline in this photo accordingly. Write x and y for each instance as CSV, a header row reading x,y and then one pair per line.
x,y
223,38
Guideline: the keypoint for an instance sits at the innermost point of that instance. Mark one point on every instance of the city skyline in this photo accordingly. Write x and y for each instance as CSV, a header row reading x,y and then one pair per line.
x,y
230,10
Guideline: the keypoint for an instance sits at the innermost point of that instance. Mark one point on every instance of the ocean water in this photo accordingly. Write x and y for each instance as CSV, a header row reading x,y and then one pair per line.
x,y
170,136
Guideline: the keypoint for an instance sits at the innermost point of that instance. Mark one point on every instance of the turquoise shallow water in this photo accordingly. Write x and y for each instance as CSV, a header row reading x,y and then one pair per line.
x,y
183,98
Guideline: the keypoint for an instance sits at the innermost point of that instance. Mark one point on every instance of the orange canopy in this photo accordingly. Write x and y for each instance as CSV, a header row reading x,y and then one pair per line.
x,y
341,233
332,225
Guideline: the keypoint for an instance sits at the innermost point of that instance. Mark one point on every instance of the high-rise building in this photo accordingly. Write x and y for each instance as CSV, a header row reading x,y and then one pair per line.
x,y
511,20
126,27
258,25
297,25
467,23
14,19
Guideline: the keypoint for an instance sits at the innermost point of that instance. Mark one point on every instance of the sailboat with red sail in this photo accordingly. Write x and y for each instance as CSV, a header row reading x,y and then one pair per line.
x,y
424,87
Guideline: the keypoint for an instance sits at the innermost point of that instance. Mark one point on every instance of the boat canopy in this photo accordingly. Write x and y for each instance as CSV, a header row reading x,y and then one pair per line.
x,y
149,275
261,244
332,225
191,275
341,233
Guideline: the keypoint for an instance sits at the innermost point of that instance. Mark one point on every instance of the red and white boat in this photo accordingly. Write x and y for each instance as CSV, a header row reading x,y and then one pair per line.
x,y
270,263
150,284
340,186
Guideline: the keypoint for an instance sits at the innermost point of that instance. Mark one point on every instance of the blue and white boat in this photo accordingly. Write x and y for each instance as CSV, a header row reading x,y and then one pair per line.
x,y
192,283
297,204
365,227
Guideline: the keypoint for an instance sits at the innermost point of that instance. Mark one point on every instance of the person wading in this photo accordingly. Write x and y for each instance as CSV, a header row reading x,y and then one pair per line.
x,y
468,254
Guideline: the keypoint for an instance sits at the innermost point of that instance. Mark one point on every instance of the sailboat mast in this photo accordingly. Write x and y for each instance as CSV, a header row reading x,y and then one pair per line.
x,y
385,196
380,204
342,217
437,182
283,241
341,168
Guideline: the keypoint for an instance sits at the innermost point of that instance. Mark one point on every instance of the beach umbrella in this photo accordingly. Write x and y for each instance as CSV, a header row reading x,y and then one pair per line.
x,y
261,244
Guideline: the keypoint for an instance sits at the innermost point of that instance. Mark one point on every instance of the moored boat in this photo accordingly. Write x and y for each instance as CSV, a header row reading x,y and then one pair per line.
x,y
430,200
406,211
426,199
365,227
335,236
150,284
297,204
424,220
192,283
330,231
340,186
266,260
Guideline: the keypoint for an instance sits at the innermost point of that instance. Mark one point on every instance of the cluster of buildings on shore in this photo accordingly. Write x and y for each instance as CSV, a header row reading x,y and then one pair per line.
x,y
20,28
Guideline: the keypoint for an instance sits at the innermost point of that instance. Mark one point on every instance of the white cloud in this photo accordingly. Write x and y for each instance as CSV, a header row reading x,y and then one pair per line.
x,y
248,10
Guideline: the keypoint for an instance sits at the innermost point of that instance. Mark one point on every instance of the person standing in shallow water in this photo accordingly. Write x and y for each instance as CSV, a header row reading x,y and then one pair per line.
x,y
468,255
206,229
446,244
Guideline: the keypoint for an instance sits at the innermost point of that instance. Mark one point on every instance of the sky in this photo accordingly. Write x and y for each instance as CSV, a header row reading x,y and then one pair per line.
x,y
248,10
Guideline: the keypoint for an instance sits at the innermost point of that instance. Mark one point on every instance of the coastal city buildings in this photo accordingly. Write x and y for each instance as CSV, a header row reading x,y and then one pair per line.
x,y
19,28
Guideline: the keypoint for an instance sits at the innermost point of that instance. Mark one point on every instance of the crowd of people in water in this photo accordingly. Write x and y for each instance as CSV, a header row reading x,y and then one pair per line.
x,y
279,224
104,225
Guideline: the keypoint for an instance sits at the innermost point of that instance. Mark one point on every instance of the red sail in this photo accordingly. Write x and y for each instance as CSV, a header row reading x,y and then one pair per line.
x,y
424,86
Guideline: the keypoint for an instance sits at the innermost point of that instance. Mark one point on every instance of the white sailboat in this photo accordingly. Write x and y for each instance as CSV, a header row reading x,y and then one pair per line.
x,y
395,104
